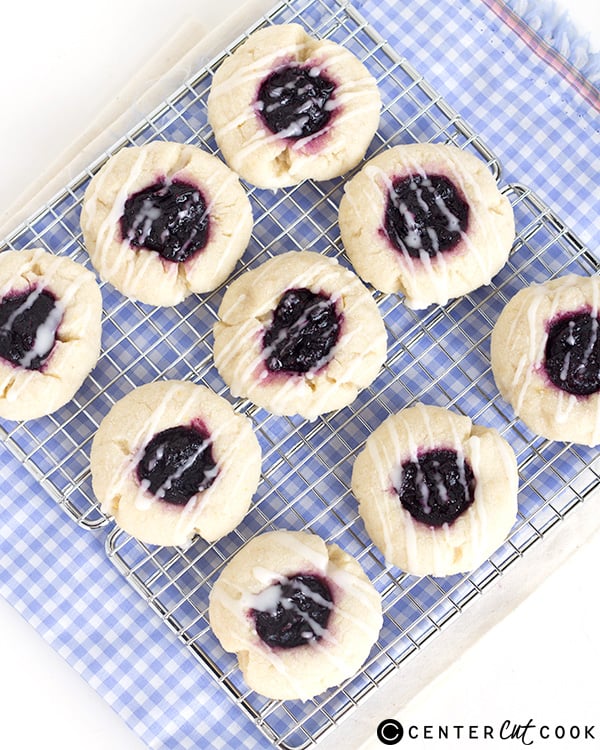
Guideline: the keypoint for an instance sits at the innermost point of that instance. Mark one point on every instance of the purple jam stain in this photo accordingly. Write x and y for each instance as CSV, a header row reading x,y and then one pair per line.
x,y
304,604
177,463
572,354
425,214
293,101
22,317
304,329
437,487
168,218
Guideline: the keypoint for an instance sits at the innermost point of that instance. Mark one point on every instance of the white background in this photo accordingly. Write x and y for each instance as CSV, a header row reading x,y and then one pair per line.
x,y
62,63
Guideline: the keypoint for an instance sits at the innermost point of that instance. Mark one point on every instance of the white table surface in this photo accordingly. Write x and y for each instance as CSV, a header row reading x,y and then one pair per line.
x,y
44,703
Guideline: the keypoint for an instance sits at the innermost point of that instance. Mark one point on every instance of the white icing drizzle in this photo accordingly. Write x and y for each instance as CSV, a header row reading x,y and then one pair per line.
x,y
109,229
264,137
180,470
397,445
345,92
392,456
297,326
255,71
531,361
474,514
437,268
45,335
146,215
268,599
318,562
566,404
200,503
251,643
424,261
11,386
135,263
28,302
143,500
251,371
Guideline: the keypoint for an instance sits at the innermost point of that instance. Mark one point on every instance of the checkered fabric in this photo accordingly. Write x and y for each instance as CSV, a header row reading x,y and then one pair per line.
x,y
536,117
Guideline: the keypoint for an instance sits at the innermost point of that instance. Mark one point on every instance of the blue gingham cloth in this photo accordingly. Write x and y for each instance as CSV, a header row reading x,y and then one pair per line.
x,y
540,114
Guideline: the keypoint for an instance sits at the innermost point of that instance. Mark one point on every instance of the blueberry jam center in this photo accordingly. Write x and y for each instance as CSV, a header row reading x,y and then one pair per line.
x,y
572,356
304,329
294,101
436,488
293,612
425,215
177,463
28,325
169,218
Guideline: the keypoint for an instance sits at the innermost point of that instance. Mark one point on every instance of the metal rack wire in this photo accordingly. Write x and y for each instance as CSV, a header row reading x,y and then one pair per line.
x,y
442,358
439,356
141,343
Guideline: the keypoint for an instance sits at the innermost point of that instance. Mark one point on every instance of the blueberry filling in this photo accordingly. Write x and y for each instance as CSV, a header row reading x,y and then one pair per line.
x,y
28,325
296,611
177,463
425,215
294,101
572,354
170,218
304,329
437,487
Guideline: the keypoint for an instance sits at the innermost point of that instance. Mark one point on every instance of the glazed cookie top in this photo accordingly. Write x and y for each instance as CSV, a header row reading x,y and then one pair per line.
x,y
50,330
299,334
437,492
426,220
165,220
545,350
171,460
300,614
286,107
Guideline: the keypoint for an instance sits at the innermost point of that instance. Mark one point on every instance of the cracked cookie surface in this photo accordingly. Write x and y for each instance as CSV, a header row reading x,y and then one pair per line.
x,y
286,107
165,220
337,340
50,331
301,615
172,460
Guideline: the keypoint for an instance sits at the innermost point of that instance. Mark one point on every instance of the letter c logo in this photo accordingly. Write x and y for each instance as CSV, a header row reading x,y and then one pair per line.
x,y
390,732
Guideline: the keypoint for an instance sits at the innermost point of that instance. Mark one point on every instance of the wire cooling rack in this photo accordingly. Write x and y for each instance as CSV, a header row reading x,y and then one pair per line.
x,y
439,356
140,343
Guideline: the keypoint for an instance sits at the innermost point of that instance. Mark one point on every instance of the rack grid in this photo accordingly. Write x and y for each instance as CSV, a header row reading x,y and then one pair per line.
x,y
141,343
306,485
439,356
